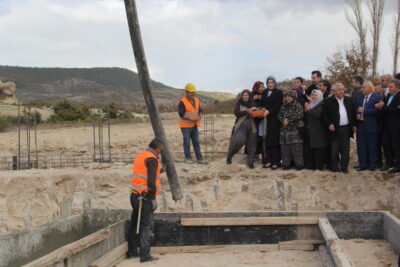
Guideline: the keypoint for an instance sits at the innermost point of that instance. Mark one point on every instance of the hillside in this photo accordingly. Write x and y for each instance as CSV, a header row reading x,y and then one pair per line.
x,y
85,85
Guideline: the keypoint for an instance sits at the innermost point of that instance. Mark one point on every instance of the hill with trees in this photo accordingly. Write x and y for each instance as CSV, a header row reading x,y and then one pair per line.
x,y
94,86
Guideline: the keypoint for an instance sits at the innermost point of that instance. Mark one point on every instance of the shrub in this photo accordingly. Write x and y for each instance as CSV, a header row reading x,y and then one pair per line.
x,y
65,111
111,111
4,123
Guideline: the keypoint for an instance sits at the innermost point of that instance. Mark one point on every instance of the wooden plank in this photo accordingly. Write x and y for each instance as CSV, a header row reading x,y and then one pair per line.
x,y
302,242
69,250
326,259
213,249
245,221
335,247
112,257
296,247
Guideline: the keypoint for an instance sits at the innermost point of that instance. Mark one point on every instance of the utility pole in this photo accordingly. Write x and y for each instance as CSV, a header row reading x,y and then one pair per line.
x,y
145,82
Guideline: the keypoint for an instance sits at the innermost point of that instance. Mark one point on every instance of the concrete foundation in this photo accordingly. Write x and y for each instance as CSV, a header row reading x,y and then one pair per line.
x,y
22,247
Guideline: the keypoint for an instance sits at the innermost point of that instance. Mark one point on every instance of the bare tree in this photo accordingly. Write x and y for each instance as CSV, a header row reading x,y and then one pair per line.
x,y
345,63
376,10
356,19
396,38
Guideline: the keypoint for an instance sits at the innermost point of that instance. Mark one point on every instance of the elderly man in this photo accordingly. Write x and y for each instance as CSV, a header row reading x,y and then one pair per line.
x,y
339,119
383,89
367,127
391,130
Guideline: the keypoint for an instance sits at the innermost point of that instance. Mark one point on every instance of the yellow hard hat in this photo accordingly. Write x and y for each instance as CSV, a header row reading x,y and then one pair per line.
x,y
190,88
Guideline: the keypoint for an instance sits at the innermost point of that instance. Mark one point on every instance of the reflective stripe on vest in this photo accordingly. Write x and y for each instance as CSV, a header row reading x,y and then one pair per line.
x,y
190,111
139,183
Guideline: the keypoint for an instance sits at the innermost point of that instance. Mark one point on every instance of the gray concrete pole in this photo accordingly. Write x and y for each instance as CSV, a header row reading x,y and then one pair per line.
x,y
145,82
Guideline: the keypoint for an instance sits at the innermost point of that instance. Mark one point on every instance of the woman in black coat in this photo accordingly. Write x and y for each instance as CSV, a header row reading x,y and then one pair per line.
x,y
244,131
272,101
317,135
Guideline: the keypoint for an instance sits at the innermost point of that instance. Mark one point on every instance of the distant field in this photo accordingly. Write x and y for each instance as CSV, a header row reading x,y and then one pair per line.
x,y
12,110
221,96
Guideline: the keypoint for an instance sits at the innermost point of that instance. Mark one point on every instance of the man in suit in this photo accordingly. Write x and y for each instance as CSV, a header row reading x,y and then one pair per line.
x,y
316,77
339,119
356,83
391,129
367,127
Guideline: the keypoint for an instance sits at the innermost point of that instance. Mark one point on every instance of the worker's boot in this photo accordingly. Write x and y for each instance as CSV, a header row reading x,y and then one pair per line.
x,y
148,258
202,161
189,161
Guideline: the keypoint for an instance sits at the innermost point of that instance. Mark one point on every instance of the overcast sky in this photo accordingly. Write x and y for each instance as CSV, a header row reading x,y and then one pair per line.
x,y
222,45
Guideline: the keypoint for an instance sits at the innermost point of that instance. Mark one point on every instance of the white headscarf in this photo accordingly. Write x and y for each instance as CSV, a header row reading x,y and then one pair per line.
x,y
320,96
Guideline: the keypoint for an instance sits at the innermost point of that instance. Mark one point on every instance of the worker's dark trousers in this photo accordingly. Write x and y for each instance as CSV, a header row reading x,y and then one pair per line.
x,y
142,240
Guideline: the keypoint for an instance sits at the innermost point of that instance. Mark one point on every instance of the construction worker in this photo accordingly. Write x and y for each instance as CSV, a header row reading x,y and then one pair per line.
x,y
190,116
145,187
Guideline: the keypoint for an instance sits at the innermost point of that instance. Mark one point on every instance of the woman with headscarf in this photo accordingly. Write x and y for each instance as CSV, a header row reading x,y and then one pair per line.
x,y
244,131
290,116
258,88
256,96
317,137
272,101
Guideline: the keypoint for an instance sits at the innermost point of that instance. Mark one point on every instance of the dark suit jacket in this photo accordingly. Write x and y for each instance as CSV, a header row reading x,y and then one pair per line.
x,y
331,113
392,113
371,113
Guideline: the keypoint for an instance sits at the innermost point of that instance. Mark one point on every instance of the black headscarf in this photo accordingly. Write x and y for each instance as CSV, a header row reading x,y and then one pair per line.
x,y
245,103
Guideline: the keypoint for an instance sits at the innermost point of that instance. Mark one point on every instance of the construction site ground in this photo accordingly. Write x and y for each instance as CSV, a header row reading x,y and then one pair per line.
x,y
235,259
58,193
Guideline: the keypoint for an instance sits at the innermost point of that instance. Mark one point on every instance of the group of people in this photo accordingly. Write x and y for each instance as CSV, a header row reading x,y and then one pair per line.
x,y
306,127
310,127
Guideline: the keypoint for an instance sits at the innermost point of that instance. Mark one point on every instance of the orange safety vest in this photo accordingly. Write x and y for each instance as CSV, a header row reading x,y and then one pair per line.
x,y
190,112
139,176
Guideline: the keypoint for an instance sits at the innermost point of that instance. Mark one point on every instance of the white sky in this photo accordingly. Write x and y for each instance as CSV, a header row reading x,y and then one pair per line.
x,y
222,45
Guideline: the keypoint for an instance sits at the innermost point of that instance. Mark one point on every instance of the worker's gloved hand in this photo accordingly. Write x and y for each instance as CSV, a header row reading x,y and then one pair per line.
x,y
154,204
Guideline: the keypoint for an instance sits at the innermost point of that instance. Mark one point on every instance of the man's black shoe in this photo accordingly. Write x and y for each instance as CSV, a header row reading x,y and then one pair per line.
x,y
362,169
251,166
386,168
229,161
393,170
334,170
345,170
148,258
372,169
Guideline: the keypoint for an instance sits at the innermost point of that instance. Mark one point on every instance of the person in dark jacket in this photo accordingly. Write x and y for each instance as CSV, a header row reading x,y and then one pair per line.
x,y
356,84
325,87
299,88
339,119
256,96
316,77
367,127
272,101
317,135
391,129
290,114
244,131
258,88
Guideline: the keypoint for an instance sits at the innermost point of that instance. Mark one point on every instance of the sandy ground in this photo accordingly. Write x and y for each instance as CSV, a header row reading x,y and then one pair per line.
x,y
373,253
32,197
235,259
